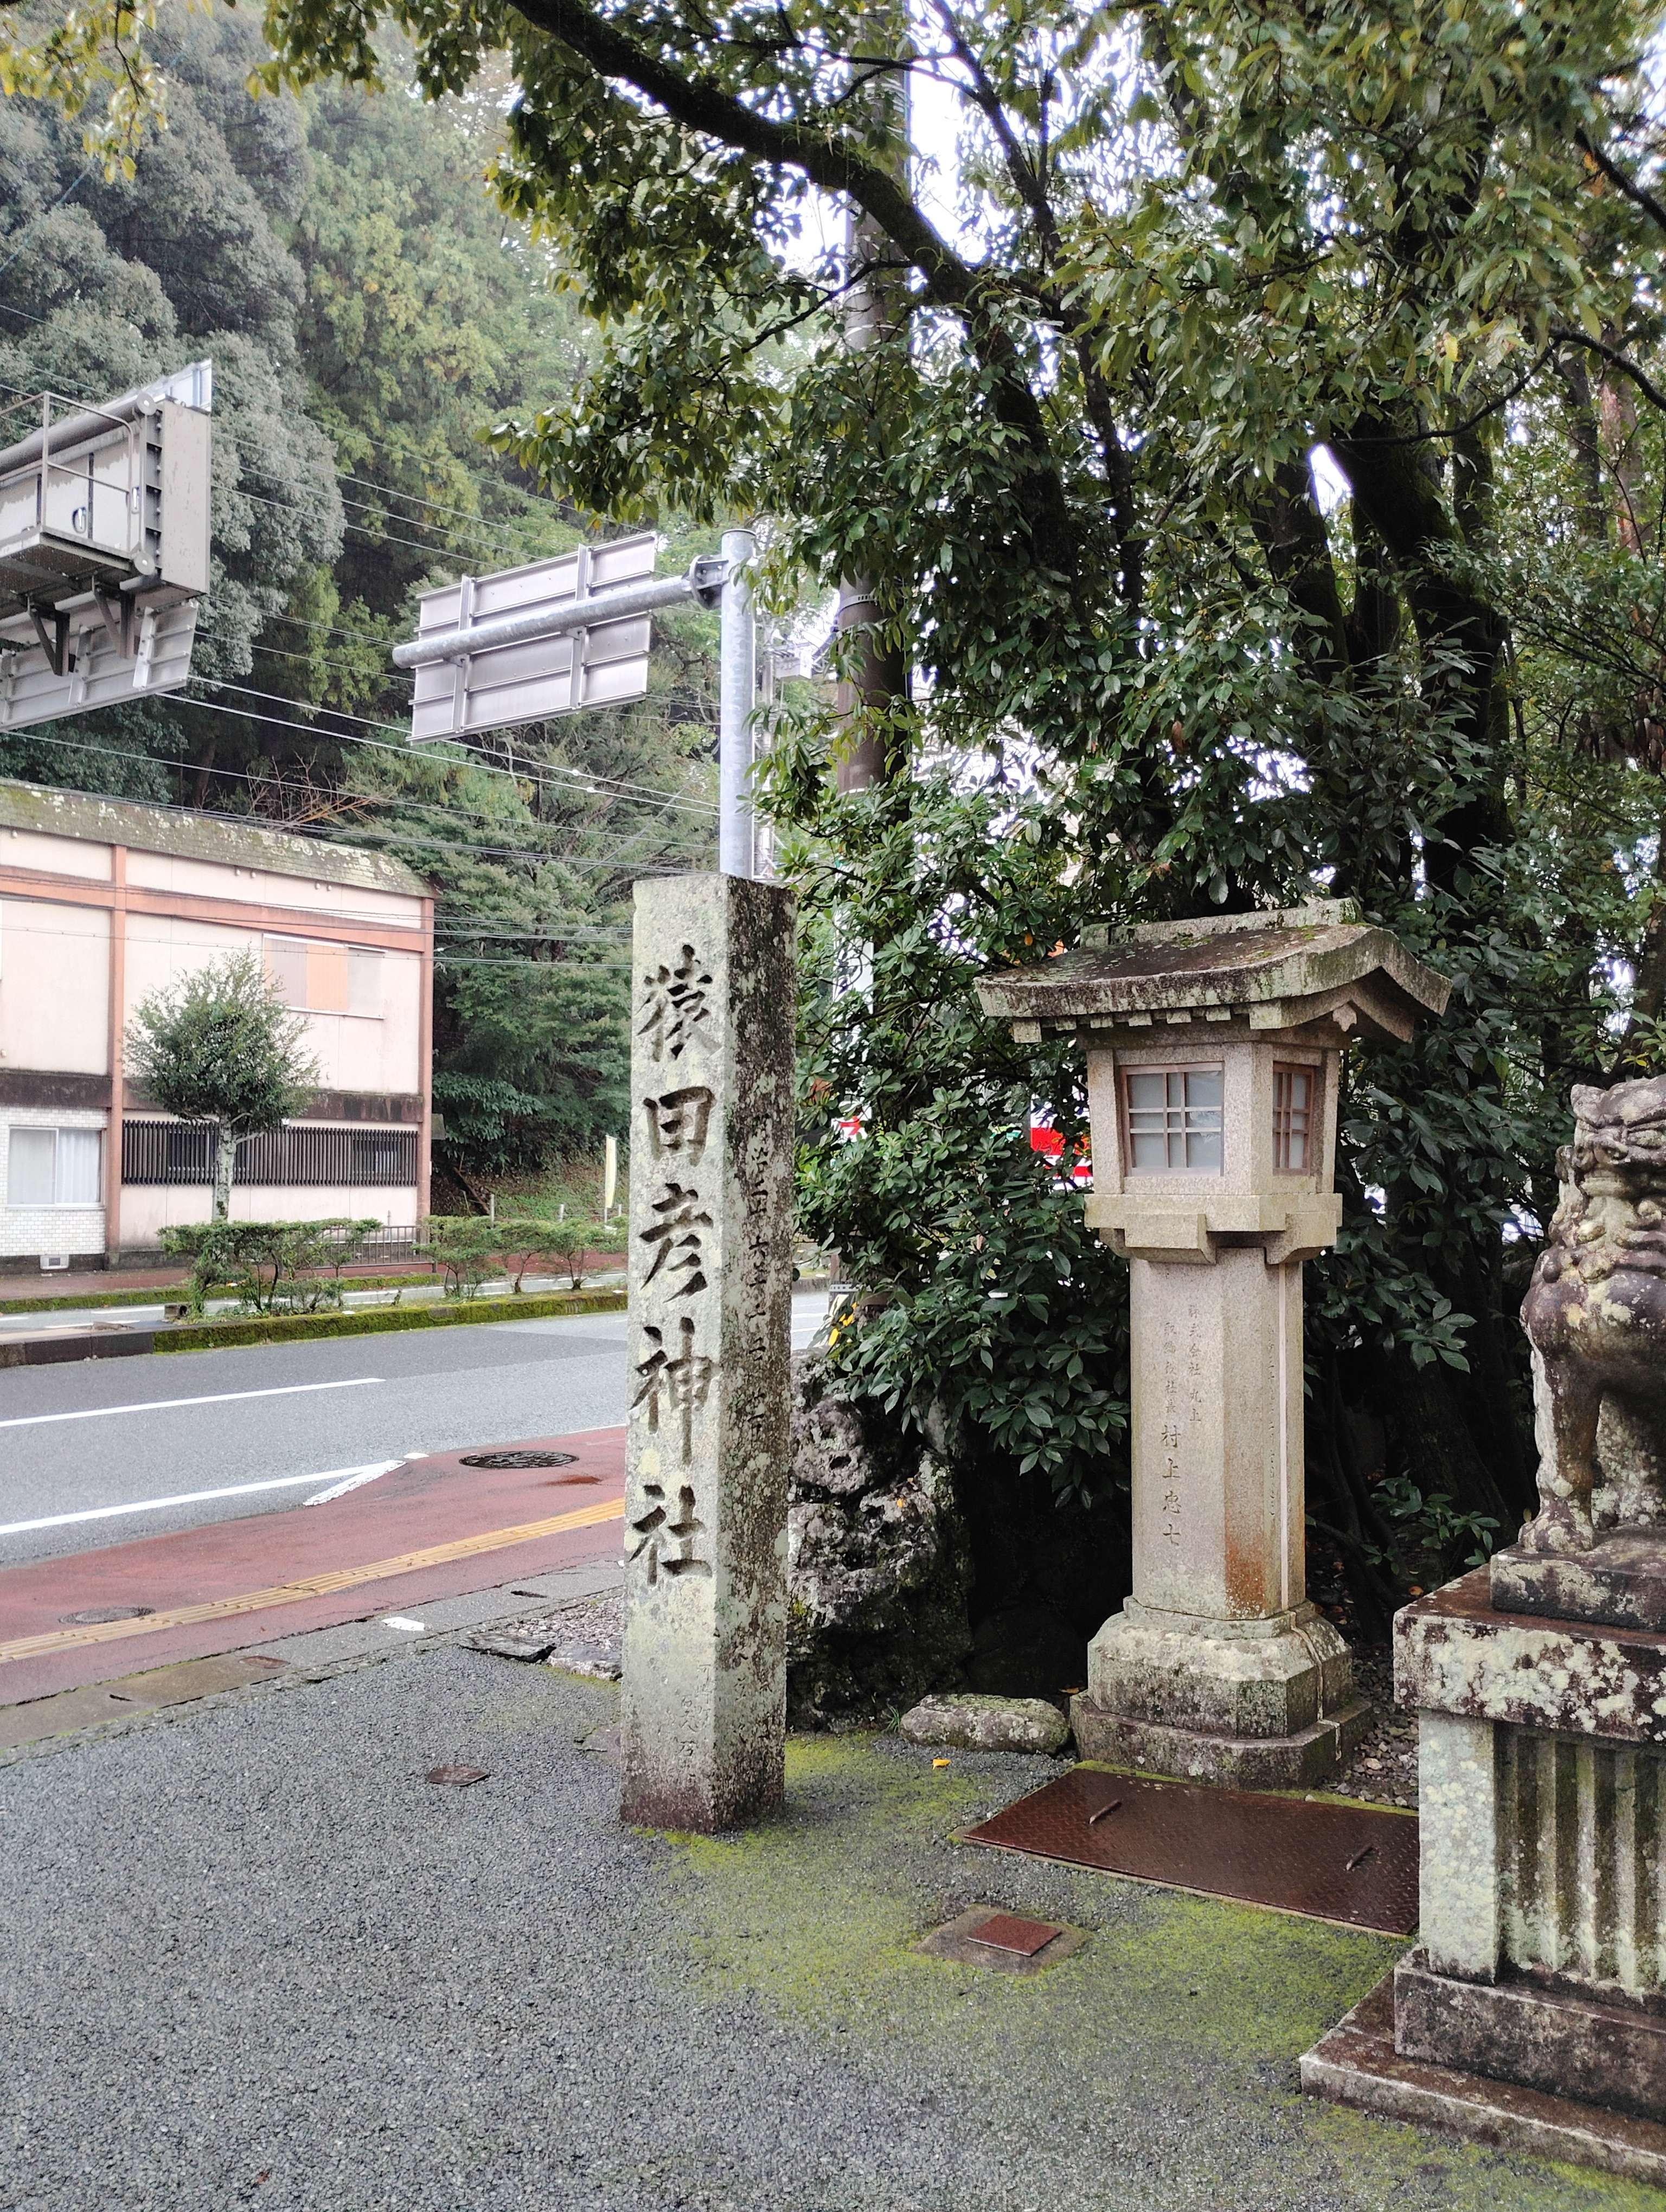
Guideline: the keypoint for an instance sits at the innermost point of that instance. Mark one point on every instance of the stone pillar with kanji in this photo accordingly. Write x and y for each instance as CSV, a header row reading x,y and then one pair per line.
x,y
704,1705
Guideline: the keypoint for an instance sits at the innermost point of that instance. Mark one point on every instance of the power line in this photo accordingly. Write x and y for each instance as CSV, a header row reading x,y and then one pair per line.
x,y
296,827
548,966
307,661
68,192
587,932
375,536
486,537
342,476
332,629
302,706
591,781
415,498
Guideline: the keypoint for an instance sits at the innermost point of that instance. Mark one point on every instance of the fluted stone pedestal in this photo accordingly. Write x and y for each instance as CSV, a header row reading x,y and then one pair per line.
x,y
1533,2012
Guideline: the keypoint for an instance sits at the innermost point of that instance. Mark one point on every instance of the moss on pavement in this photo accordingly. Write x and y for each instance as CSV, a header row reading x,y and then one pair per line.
x,y
1166,2046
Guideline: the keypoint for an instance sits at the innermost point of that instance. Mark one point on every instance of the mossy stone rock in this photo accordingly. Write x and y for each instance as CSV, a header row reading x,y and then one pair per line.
x,y
981,1724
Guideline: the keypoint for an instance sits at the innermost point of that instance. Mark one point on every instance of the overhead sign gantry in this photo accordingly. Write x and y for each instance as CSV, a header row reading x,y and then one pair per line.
x,y
104,546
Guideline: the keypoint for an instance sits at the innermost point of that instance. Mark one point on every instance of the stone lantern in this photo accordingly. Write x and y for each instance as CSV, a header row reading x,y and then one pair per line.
x,y
1213,1050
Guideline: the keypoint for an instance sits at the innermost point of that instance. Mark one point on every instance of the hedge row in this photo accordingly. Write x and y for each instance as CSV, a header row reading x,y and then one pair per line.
x,y
381,1320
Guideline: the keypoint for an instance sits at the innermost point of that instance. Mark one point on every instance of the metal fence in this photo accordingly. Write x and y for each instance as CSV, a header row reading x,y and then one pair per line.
x,y
183,1153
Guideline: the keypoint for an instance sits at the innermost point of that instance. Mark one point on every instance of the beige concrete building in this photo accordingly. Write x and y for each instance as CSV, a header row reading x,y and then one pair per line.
x,y
102,903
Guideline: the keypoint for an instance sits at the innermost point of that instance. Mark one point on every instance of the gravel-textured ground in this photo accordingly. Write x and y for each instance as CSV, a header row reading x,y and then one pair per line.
x,y
1385,1768
585,1637
252,1958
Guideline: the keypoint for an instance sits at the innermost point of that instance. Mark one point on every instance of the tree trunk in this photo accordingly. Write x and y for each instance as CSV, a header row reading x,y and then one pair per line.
x,y
225,1163
876,310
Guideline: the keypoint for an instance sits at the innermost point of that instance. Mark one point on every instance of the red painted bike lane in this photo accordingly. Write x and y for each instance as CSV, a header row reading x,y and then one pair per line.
x,y
432,1528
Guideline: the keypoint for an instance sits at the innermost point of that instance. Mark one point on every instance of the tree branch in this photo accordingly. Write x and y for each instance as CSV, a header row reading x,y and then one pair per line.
x,y
1639,195
829,161
716,114
1615,359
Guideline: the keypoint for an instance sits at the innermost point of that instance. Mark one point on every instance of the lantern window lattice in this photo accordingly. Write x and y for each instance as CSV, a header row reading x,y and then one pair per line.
x,y
1174,1120
1292,1119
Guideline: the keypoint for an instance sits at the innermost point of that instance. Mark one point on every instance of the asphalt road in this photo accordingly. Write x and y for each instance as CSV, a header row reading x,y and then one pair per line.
x,y
84,1438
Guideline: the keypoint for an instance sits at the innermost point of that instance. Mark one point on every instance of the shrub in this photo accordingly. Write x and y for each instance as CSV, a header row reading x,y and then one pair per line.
x,y
465,1246
264,1262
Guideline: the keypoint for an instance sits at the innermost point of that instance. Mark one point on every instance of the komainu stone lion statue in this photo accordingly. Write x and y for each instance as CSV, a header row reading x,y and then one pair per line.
x,y
1596,1314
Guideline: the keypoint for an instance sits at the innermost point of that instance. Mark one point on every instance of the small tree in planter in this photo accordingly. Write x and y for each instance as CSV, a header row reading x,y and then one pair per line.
x,y
465,1246
270,1265
220,1046
567,1243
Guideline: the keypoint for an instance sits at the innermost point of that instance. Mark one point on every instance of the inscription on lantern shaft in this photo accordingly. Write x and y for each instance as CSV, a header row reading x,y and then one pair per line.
x,y
710,1294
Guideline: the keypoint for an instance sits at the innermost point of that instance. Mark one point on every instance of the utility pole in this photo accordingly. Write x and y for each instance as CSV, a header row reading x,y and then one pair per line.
x,y
737,699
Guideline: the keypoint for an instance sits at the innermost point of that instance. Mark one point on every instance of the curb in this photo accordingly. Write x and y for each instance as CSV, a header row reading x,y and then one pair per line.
x,y
116,1343
49,1348
162,1293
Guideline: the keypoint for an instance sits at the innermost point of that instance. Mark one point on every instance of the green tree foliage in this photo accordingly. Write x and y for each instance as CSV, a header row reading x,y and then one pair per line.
x,y
1173,262
370,315
272,1267
220,1046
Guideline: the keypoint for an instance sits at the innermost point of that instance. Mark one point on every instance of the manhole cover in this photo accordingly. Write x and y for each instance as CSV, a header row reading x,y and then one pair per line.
x,y
95,1616
519,1459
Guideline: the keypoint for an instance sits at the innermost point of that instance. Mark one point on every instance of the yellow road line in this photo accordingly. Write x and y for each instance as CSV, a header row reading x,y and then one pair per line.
x,y
338,1579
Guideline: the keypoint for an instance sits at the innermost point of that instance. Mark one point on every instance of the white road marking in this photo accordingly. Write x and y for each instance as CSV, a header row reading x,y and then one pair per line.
x,y
214,1398
353,1478
154,1504
404,1620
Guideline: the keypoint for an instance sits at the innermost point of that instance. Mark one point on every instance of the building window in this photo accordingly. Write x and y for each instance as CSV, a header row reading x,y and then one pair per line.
x,y
1174,1120
1292,1120
54,1167
326,979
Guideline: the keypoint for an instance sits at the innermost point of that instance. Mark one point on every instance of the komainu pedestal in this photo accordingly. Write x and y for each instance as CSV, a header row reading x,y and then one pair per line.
x,y
1534,2011
704,1691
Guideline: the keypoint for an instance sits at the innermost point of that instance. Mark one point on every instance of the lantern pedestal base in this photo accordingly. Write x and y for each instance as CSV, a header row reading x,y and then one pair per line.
x,y
1253,1705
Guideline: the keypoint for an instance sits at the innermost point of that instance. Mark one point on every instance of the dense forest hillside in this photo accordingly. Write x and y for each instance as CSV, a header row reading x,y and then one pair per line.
x,y
370,315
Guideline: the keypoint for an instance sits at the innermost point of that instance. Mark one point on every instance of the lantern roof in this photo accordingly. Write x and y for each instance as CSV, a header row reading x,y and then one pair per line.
x,y
1280,970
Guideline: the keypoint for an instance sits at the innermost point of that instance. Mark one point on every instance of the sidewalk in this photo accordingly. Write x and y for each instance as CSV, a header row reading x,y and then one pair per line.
x,y
434,1527
101,1282
255,1958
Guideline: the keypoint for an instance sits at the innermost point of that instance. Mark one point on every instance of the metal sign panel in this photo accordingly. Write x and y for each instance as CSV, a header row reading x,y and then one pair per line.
x,y
536,678
88,655
107,498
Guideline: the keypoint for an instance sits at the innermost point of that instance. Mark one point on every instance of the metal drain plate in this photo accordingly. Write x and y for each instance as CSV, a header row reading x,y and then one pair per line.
x,y
1321,1858
1006,1931
519,1459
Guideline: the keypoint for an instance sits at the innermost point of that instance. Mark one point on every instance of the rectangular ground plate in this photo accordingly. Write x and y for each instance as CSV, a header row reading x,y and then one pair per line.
x,y
967,1940
1325,1859
1006,1931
